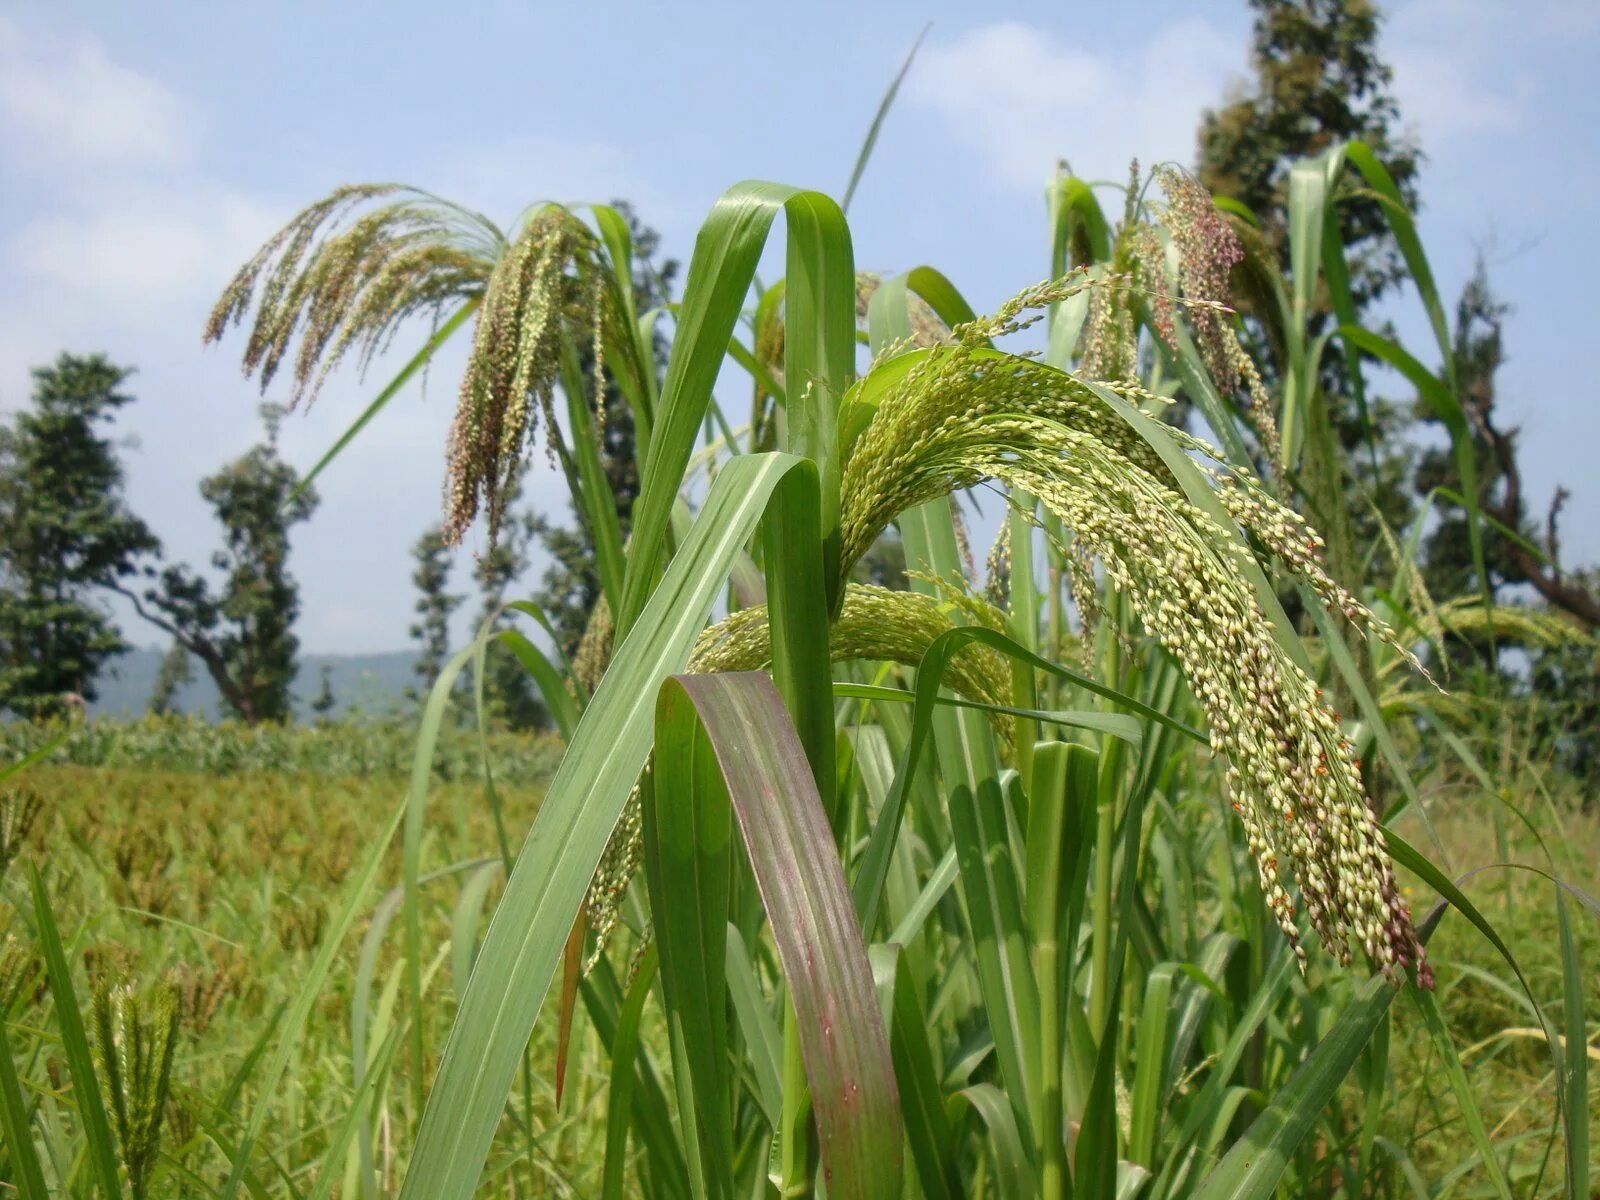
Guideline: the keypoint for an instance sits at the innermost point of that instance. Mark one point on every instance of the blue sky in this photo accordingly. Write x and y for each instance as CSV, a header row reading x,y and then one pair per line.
x,y
145,151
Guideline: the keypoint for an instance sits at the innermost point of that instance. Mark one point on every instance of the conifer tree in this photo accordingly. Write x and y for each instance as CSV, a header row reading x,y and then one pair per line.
x,y
435,604
65,533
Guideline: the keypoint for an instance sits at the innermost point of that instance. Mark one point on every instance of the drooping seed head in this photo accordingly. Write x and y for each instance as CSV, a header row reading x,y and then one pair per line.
x,y
346,273
962,413
549,288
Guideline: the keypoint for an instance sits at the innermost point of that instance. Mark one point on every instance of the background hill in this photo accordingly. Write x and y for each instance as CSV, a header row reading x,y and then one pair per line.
x,y
362,683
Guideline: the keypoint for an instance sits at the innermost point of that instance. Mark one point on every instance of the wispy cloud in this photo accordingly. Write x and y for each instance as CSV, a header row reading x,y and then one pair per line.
x,y
151,247
66,103
111,220
1466,69
1022,98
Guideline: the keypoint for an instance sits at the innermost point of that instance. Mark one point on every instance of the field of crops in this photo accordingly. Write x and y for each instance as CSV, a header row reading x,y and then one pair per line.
x,y
219,873
1170,850
223,883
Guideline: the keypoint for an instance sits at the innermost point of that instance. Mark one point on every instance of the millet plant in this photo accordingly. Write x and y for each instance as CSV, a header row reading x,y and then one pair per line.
x,y
1024,880
1065,878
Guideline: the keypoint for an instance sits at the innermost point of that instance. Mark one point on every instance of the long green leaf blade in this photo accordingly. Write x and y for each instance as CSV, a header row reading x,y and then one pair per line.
x,y
609,748
766,777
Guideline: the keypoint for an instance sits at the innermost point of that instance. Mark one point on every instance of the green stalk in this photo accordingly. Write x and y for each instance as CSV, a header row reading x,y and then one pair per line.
x,y
1062,775
1105,838
1100,938
1024,624
794,1137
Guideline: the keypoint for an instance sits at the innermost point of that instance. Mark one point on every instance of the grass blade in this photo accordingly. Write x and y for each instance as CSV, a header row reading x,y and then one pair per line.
x,y
720,273
619,1097
310,991
1457,1077
688,857
357,1117
1013,1172
921,1102
17,1125
1575,1092
1252,1167
74,1040
415,364
877,120
762,1039
529,928
766,777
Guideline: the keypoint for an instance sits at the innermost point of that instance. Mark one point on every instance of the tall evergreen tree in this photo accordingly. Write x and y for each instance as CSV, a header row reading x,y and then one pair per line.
x,y
243,633
65,532
435,604
323,703
1320,81
175,671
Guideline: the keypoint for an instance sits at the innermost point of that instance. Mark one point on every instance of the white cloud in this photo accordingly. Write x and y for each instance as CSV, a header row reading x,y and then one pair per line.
x,y
1023,98
67,103
146,248
1452,76
1467,69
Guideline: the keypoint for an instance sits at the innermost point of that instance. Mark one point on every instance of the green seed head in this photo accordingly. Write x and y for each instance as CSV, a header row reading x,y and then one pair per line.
x,y
135,1034
19,809
963,413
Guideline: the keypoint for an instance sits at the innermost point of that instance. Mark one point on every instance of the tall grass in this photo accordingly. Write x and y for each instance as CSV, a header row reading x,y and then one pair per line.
x,y
1067,881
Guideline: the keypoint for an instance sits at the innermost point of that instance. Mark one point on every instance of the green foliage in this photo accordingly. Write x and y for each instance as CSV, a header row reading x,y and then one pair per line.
x,y
211,892
1320,82
19,809
176,670
65,531
242,632
135,1034
512,696
570,586
251,860
322,704
1050,879
1006,924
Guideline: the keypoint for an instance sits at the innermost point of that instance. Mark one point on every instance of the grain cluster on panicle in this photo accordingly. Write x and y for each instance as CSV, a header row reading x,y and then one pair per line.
x,y
549,287
1178,254
346,273
962,413
19,809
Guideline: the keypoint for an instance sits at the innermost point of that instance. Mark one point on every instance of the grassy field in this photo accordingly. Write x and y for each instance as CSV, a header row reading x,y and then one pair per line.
x,y
217,872
1501,1045
222,883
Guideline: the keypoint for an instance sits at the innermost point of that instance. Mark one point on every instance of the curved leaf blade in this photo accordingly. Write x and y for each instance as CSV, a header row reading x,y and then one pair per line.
x,y
765,775
529,929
